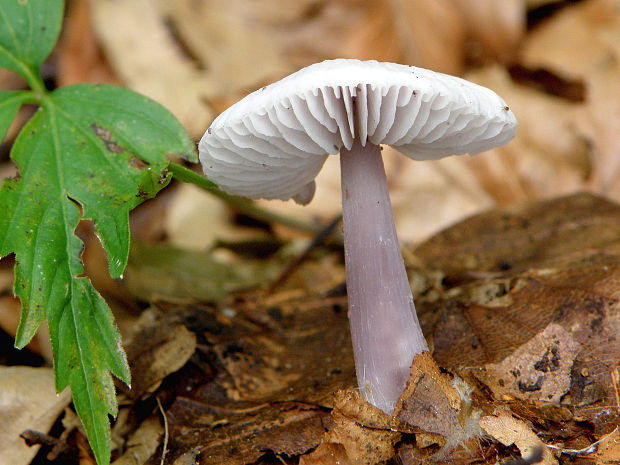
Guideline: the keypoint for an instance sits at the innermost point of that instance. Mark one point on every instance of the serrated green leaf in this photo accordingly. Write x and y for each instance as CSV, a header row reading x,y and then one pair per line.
x,y
28,32
88,152
10,101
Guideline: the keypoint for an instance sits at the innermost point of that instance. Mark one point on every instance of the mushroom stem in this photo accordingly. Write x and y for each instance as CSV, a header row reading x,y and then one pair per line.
x,y
385,330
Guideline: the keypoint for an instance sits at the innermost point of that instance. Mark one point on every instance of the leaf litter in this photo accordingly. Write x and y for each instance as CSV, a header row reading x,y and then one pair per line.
x,y
527,343
525,294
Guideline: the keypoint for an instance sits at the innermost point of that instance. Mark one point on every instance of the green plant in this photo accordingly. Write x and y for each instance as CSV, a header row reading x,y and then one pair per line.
x,y
89,152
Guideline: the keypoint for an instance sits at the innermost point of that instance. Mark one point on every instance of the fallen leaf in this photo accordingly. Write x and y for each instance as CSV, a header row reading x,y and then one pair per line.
x,y
599,123
326,454
523,236
277,365
28,400
79,55
538,370
142,444
429,400
546,145
495,28
159,271
140,25
511,273
509,430
574,40
416,32
367,434
156,347
197,220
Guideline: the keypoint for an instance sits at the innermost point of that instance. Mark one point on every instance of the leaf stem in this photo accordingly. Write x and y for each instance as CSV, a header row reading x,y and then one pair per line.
x,y
240,204
34,81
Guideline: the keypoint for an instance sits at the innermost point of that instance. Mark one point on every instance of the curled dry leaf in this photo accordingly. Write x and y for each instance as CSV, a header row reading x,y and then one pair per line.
x,y
156,348
28,400
327,454
429,400
367,434
143,443
508,430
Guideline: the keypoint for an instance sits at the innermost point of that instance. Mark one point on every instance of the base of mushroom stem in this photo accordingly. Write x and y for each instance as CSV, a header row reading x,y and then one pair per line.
x,y
430,399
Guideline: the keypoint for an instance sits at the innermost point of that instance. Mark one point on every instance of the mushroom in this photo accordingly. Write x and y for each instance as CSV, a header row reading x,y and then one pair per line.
x,y
272,144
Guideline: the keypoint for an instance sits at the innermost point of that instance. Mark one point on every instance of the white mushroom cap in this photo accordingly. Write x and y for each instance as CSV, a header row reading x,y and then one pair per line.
x,y
273,143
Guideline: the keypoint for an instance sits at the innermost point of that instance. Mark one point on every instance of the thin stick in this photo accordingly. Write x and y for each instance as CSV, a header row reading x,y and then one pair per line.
x,y
316,241
615,382
165,445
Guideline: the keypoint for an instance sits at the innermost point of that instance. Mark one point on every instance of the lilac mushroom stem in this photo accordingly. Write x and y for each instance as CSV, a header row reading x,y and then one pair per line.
x,y
385,330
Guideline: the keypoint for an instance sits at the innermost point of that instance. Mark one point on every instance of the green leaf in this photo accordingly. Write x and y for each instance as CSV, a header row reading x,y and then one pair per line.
x,y
88,152
175,273
28,32
10,101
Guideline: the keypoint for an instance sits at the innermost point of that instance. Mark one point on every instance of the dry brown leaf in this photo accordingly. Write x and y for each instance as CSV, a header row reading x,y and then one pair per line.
x,y
600,124
28,400
508,430
512,272
145,56
545,148
429,401
608,450
495,28
156,348
417,32
538,370
78,55
575,40
537,3
326,454
521,237
196,220
190,55
231,40
367,434
252,350
143,443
